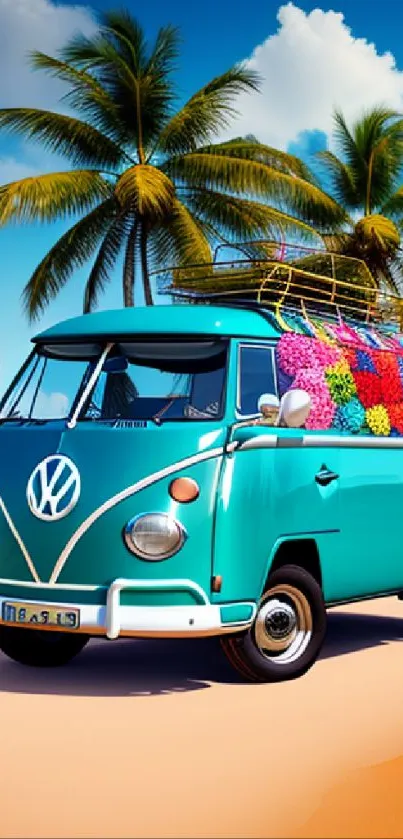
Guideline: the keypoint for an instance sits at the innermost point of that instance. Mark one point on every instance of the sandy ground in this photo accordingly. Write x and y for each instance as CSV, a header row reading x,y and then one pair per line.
x,y
161,739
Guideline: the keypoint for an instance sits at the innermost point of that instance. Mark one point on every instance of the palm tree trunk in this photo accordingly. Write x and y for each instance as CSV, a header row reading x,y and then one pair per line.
x,y
144,265
129,267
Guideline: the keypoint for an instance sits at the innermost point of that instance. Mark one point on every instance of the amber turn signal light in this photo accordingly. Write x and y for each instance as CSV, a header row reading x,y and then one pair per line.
x,y
184,490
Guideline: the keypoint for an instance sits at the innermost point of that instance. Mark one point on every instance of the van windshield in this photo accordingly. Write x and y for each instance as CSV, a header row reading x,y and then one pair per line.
x,y
138,381
161,381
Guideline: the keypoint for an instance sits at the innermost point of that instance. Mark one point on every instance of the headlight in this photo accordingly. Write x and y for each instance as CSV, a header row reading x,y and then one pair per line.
x,y
154,536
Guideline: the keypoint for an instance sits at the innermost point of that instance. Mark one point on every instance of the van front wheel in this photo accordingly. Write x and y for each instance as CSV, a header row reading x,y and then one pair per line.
x,y
287,634
40,647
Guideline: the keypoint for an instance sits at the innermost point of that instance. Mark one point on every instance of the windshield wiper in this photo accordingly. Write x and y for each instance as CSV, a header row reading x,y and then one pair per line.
x,y
157,417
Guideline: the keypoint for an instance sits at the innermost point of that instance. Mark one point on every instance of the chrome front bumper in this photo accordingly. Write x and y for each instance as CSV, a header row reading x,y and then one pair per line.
x,y
114,620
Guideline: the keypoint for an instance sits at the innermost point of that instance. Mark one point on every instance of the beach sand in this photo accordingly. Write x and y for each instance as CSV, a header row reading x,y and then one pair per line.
x,y
366,805
161,739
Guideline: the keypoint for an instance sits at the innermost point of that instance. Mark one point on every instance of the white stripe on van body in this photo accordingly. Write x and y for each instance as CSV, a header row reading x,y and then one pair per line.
x,y
263,441
121,496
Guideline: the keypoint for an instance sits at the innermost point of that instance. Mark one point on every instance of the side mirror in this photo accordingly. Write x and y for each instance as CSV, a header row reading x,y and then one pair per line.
x,y
269,407
295,407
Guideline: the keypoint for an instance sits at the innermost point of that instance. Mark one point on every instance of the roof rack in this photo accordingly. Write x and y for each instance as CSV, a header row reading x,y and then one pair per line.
x,y
322,283
260,308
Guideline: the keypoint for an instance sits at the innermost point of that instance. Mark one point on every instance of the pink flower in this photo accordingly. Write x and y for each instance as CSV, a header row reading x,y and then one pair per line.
x,y
323,408
299,352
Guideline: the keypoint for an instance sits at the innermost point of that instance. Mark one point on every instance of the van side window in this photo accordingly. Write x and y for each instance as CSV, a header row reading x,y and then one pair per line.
x,y
256,375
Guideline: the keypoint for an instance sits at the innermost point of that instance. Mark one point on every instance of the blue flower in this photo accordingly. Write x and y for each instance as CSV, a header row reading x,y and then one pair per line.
x,y
364,362
350,417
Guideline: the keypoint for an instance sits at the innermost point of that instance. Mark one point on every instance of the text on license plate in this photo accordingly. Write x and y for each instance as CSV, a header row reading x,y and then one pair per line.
x,y
40,615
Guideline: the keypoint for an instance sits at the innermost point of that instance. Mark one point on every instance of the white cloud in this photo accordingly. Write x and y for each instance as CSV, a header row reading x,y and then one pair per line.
x,y
312,64
54,405
12,169
27,25
32,161
47,405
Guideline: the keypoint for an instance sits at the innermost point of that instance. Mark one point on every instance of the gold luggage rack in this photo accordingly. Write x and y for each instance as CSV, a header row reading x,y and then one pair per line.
x,y
322,283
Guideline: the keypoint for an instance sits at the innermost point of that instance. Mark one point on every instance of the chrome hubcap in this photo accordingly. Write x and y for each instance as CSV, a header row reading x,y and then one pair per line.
x,y
283,625
280,620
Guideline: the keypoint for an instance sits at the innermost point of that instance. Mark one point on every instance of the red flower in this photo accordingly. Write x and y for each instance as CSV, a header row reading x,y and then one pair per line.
x,y
388,369
396,417
368,388
386,363
391,389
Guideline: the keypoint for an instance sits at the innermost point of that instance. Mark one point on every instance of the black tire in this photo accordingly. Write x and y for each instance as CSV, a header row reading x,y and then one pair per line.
x,y
40,647
264,653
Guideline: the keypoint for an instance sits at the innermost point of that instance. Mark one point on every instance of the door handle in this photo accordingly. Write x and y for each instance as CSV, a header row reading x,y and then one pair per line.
x,y
325,476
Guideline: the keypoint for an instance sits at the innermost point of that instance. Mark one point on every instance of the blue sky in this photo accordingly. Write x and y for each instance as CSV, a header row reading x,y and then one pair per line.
x,y
311,57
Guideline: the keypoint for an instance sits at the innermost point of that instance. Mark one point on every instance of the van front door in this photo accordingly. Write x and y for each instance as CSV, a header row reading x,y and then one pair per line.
x,y
272,489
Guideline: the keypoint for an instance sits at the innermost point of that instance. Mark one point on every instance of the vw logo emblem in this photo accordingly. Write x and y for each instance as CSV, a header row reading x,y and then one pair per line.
x,y
53,488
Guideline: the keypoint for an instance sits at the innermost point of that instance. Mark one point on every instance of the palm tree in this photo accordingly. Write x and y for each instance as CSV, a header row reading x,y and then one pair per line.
x,y
367,180
148,181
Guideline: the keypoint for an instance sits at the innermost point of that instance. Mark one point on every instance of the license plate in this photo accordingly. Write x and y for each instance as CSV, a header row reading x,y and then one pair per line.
x,y
40,615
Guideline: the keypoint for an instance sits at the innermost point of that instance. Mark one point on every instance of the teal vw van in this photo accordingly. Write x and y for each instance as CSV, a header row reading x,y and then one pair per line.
x,y
143,493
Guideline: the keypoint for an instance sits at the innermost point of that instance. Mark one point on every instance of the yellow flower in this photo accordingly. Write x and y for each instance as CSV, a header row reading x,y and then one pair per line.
x,y
378,420
341,367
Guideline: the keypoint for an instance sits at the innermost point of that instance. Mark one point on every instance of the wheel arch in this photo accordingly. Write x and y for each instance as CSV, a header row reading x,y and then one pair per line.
x,y
299,550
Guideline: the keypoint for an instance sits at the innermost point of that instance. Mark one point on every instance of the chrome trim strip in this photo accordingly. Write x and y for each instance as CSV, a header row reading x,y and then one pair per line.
x,y
121,496
19,541
263,441
351,442
72,422
61,586
317,441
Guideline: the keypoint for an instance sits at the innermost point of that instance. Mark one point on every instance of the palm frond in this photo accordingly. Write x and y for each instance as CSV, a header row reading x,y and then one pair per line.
x,y
342,178
239,218
86,95
52,196
105,261
251,149
127,37
129,34
346,142
373,152
393,207
241,176
184,240
207,112
80,141
381,230
375,125
120,62
162,60
82,51
70,252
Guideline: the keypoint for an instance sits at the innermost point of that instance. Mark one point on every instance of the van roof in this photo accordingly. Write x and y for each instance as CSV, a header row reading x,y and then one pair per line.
x,y
200,319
